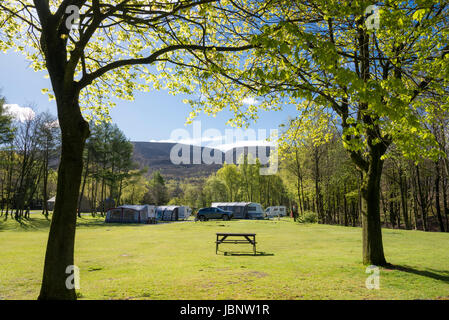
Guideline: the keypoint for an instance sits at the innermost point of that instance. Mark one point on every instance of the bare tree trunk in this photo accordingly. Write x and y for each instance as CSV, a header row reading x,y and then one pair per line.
x,y
437,195
445,204
392,211
317,186
404,198
345,206
422,200
299,182
86,171
61,241
45,190
9,181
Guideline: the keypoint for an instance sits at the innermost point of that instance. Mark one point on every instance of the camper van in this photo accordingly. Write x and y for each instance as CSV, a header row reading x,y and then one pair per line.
x,y
275,211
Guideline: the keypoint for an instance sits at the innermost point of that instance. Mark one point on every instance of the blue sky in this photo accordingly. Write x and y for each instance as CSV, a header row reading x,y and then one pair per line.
x,y
151,117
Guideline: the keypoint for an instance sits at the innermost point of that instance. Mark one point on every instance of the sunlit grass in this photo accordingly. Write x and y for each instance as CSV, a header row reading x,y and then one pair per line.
x,y
178,261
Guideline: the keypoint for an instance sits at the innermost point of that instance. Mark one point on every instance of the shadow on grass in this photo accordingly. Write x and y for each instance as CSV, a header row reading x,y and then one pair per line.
x,y
238,254
25,224
99,223
440,275
40,222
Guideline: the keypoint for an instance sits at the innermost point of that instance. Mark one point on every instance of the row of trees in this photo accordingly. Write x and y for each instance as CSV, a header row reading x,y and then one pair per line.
x,y
27,177
231,183
316,174
413,194
108,168
30,151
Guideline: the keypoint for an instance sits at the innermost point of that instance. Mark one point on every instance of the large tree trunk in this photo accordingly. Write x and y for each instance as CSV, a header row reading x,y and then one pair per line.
x,y
373,252
74,132
61,240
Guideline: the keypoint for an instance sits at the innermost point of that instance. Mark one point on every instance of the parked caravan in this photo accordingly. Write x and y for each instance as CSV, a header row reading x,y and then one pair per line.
x,y
173,213
276,211
242,210
131,214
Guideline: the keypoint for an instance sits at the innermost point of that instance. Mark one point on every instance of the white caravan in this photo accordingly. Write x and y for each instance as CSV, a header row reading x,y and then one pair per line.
x,y
275,211
241,210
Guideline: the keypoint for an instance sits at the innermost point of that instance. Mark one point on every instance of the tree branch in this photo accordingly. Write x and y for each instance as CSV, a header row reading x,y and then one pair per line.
x,y
89,78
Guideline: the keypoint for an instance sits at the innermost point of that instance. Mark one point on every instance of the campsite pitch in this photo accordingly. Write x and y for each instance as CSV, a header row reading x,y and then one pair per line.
x,y
178,261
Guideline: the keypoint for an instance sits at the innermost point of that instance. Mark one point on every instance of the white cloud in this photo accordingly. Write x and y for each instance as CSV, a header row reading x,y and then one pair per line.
x,y
20,113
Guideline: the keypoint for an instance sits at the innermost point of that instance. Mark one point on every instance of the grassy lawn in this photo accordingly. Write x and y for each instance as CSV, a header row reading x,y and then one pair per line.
x,y
178,261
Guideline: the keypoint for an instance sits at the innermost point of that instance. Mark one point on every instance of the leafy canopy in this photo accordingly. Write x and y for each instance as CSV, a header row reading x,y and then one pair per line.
x,y
376,85
124,46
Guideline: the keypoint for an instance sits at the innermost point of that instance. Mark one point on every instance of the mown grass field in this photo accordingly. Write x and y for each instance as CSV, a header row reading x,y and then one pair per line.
x,y
178,261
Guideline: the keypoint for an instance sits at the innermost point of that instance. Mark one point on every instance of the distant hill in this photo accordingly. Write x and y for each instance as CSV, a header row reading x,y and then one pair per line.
x,y
156,156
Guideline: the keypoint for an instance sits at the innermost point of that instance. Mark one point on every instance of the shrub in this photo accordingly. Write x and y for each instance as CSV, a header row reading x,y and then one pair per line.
x,y
309,217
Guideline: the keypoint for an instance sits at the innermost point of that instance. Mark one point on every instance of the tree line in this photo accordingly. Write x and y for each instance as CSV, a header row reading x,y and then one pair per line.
x,y
108,170
413,193
27,175
241,182
30,152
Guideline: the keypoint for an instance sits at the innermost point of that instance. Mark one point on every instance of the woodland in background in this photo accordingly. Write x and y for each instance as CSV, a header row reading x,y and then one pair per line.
x,y
30,151
27,148
413,195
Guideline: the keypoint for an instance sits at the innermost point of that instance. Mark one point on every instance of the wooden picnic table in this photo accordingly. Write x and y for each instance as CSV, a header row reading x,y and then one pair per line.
x,y
247,238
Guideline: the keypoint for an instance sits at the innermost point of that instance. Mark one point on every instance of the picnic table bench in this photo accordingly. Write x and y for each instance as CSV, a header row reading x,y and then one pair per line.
x,y
246,238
